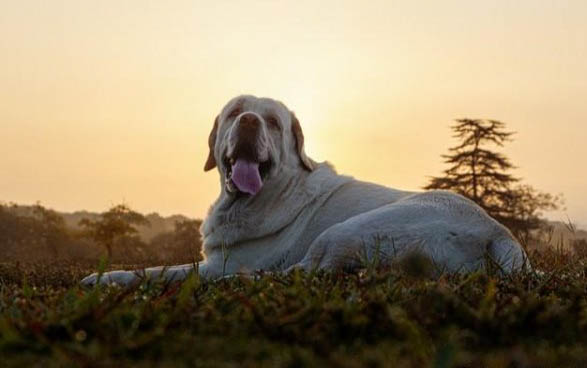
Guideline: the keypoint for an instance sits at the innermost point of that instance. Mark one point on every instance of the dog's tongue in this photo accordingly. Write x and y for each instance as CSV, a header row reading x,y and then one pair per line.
x,y
246,176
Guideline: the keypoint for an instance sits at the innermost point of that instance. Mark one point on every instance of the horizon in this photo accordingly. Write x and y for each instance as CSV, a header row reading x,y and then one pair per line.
x,y
579,226
108,102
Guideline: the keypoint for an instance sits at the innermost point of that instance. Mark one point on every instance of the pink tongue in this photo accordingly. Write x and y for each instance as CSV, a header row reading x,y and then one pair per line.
x,y
246,177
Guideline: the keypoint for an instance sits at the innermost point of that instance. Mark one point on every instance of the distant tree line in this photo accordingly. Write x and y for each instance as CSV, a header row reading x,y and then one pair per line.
x,y
38,233
41,233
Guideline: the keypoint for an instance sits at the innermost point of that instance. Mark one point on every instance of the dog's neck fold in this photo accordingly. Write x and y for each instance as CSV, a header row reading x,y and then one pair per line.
x,y
281,199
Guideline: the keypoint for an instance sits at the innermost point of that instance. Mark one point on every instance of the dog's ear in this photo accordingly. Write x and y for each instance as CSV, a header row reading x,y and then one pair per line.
x,y
211,162
296,129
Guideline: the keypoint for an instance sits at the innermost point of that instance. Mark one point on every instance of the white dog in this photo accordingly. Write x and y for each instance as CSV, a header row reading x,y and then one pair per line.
x,y
278,210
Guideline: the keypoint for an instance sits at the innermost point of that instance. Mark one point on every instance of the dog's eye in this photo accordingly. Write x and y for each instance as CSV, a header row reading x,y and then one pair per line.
x,y
234,113
272,121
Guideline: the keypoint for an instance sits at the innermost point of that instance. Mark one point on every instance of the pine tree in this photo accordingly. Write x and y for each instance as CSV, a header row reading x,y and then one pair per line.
x,y
482,175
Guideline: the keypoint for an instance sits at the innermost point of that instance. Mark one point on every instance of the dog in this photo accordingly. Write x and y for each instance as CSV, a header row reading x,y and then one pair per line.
x,y
279,210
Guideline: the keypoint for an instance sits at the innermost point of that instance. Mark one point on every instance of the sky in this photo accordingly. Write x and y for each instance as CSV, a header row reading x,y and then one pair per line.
x,y
103,102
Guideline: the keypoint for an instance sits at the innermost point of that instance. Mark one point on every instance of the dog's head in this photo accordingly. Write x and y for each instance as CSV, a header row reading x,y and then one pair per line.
x,y
253,140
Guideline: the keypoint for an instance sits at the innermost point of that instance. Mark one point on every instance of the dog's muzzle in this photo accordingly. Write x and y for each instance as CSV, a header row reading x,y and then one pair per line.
x,y
247,159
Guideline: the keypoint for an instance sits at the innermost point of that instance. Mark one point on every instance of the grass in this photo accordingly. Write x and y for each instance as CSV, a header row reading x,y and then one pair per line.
x,y
378,317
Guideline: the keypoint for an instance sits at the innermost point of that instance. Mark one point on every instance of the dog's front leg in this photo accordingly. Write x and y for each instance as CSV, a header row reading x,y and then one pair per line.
x,y
129,278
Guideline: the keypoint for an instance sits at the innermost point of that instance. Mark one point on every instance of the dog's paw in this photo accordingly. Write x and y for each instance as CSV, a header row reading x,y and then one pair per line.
x,y
296,268
121,278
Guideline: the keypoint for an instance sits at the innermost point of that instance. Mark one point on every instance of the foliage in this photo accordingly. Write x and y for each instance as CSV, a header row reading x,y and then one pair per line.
x,y
25,235
29,233
183,244
115,224
579,246
482,175
378,317
52,225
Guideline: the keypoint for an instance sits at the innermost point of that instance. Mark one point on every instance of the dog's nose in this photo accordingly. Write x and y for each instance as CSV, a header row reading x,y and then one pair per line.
x,y
249,121
246,137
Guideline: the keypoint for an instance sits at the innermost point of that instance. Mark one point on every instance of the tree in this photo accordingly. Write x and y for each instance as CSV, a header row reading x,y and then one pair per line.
x,y
187,237
118,222
181,245
482,175
52,228
30,232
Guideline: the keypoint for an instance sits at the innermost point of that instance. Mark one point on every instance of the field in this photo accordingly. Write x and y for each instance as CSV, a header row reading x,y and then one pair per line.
x,y
377,317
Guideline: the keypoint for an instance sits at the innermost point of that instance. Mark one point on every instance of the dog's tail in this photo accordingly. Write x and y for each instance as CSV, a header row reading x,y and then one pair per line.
x,y
508,254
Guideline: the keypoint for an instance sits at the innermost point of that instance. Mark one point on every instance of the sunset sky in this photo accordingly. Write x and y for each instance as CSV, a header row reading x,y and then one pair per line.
x,y
110,101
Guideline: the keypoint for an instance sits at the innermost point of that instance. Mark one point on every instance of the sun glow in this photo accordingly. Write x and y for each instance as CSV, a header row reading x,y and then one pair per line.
x,y
109,101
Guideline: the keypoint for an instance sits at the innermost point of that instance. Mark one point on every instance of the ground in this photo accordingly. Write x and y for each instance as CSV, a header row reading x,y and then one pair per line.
x,y
376,317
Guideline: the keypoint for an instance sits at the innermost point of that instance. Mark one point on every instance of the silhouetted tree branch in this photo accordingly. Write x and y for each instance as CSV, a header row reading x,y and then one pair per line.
x,y
482,176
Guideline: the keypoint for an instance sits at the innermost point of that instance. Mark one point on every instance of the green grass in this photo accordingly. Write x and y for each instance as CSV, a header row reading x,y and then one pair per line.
x,y
378,317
